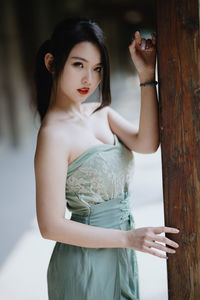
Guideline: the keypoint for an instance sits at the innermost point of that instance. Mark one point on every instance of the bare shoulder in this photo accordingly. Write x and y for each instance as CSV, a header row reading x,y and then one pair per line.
x,y
52,133
51,140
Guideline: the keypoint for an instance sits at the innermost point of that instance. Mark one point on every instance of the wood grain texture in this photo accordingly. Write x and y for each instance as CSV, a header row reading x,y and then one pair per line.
x,y
179,102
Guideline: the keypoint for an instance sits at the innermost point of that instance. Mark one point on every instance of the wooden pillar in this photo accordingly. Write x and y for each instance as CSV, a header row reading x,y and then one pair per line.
x,y
179,94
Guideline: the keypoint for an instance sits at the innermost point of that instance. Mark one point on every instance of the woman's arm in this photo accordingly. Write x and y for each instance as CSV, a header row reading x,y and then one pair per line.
x,y
146,138
143,54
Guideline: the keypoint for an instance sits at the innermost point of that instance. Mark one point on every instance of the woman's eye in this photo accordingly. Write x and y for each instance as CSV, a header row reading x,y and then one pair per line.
x,y
98,69
78,64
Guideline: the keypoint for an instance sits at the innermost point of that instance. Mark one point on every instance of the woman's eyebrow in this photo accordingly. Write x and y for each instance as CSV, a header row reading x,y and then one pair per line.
x,y
81,58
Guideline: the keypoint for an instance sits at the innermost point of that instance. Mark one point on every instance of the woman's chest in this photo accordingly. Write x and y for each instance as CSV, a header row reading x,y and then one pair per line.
x,y
89,133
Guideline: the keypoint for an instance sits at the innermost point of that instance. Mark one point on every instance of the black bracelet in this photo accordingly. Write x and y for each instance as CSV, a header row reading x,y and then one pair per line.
x,y
153,83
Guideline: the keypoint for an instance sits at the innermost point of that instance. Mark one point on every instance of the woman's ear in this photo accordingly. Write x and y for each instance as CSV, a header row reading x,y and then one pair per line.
x,y
48,60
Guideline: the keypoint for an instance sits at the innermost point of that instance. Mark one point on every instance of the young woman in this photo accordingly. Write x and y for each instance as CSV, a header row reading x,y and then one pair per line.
x,y
84,159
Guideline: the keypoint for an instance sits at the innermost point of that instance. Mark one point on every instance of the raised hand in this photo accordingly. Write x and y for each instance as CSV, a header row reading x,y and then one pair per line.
x,y
143,54
148,239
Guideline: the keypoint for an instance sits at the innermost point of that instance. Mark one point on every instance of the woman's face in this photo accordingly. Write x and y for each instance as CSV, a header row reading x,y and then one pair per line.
x,y
82,72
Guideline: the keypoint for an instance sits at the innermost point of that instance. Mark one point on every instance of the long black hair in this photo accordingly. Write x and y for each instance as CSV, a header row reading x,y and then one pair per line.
x,y
66,35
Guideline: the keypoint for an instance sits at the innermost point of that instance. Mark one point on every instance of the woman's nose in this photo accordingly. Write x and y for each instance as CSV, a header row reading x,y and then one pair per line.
x,y
87,78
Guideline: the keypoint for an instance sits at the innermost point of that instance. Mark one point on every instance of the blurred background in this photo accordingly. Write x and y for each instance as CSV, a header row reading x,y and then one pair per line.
x,y
24,25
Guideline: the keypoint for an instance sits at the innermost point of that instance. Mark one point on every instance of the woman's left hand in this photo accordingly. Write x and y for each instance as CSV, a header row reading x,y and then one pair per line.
x,y
143,54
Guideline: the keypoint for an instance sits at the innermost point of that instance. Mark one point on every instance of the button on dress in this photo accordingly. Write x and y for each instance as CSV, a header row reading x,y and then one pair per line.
x,y
97,194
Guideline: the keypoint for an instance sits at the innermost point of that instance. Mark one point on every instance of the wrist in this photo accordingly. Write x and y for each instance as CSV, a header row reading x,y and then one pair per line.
x,y
125,239
146,77
152,83
122,239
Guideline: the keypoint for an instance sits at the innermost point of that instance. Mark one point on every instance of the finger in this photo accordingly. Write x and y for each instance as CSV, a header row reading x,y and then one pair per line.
x,y
148,44
166,241
165,229
137,38
160,247
154,252
143,44
153,39
132,46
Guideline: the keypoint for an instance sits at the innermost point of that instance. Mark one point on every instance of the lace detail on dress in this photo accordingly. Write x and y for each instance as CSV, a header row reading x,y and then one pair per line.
x,y
101,176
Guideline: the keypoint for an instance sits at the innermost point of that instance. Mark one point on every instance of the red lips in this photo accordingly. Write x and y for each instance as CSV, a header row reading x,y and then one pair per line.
x,y
83,91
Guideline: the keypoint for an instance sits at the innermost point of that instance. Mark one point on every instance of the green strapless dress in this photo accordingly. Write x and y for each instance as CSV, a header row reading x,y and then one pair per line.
x,y
98,194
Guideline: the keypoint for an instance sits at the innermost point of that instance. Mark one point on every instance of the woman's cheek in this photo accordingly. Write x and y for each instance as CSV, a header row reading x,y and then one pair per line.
x,y
98,78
